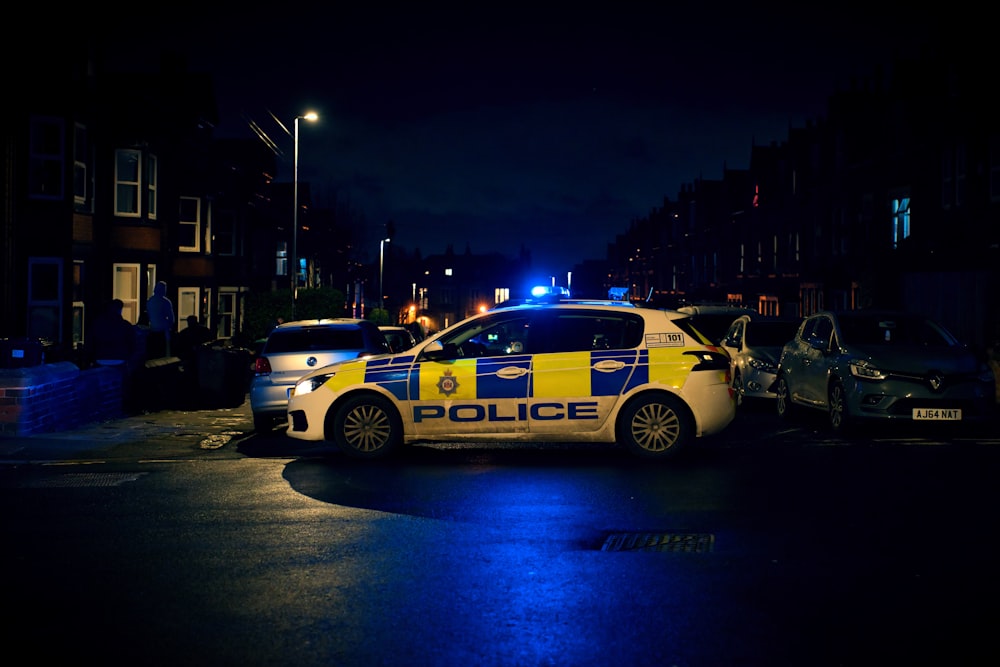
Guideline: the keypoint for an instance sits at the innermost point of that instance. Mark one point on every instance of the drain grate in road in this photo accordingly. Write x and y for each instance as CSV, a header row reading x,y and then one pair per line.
x,y
85,479
695,543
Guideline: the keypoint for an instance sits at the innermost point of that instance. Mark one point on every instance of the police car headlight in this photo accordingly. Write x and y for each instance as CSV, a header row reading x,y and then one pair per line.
x,y
311,384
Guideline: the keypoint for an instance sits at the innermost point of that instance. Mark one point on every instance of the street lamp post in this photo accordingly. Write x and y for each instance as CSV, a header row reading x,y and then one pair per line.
x,y
294,268
381,264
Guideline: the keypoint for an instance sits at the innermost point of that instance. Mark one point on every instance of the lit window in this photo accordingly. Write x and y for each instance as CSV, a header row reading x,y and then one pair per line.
x,y
189,225
900,220
151,176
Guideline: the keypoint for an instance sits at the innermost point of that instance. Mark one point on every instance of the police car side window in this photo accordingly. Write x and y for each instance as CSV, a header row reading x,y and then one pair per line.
x,y
622,332
572,333
579,332
501,334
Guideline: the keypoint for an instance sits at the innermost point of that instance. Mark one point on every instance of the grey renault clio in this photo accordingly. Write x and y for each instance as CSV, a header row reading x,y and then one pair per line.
x,y
866,366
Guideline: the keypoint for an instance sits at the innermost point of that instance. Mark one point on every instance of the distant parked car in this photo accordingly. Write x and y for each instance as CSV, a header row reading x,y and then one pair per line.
x,y
866,365
293,349
754,344
714,320
400,338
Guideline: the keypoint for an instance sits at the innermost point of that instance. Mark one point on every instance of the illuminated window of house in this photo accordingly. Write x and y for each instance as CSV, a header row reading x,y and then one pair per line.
x,y
900,220
189,225
151,179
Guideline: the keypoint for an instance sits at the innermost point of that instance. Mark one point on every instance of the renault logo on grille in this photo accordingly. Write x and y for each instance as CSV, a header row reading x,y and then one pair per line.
x,y
936,380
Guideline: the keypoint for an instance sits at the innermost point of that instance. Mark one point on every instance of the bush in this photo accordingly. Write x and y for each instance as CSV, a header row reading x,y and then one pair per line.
x,y
319,303
379,316
262,310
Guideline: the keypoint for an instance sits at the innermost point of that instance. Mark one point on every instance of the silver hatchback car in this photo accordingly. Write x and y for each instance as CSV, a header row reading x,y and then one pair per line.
x,y
295,348
867,365
754,344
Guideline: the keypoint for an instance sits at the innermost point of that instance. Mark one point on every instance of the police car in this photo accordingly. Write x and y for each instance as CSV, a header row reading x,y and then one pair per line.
x,y
565,372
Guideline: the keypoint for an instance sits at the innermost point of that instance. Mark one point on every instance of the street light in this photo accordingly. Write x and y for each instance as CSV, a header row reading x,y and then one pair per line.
x,y
310,116
381,264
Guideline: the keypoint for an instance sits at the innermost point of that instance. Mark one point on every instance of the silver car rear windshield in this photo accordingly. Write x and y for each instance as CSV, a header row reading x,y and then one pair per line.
x,y
320,338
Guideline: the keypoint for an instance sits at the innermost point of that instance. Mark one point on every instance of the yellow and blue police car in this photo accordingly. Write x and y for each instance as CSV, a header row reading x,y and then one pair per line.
x,y
586,372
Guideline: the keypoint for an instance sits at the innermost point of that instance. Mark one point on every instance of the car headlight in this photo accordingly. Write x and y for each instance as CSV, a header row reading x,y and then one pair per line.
x,y
865,370
761,365
311,384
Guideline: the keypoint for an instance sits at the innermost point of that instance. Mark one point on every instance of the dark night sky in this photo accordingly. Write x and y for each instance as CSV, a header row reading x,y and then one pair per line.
x,y
496,125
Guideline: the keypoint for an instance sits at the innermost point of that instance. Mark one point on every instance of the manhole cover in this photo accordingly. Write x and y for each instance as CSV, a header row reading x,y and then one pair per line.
x,y
680,542
87,479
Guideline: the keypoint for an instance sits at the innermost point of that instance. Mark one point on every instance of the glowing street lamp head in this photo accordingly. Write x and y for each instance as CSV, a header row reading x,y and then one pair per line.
x,y
310,116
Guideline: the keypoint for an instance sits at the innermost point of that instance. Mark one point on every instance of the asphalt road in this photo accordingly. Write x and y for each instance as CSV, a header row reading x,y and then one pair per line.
x,y
160,546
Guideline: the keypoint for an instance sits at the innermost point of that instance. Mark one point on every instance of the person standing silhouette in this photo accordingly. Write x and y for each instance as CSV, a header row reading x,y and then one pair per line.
x,y
191,338
114,338
161,322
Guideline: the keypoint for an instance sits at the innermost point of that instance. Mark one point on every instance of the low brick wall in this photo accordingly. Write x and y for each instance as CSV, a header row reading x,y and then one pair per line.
x,y
59,396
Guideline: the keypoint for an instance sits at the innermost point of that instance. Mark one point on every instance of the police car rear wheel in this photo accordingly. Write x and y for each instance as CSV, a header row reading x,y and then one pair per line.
x,y
367,427
655,427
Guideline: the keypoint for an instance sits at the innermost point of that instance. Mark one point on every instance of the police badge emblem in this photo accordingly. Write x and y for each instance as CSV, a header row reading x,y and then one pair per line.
x,y
447,384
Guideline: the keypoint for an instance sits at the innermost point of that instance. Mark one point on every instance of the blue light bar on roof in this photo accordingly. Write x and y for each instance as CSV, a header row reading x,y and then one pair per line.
x,y
539,291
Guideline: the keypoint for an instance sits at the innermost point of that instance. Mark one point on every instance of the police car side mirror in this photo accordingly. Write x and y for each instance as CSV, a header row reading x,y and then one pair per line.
x,y
436,351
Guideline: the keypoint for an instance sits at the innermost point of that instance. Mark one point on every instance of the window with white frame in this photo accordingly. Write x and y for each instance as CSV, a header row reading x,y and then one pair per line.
x,y
224,233
281,259
207,226
45,159
82,161
125,286
225,313
188,302
79,308
151,178
189,225
128,172
45,297
150,280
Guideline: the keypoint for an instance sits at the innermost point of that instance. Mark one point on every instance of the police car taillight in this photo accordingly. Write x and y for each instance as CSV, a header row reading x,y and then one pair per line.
x,y
709,360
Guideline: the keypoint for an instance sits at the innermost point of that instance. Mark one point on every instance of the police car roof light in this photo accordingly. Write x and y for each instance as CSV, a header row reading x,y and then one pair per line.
x,y
549,291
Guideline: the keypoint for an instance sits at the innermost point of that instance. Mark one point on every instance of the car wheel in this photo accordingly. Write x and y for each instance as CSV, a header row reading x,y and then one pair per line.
x,y
655,426
262,423
837,407
739,391
367,427
782,399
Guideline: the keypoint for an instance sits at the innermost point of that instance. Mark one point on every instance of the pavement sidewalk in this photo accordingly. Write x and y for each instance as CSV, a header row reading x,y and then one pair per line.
x,y
205,429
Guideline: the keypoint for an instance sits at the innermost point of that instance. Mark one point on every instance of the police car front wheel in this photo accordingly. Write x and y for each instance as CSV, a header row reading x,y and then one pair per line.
x,y
655,426
366,427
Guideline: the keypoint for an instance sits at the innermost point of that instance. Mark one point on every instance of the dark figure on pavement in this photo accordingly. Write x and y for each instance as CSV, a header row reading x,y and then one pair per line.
x,y
191,337
161,322
112,339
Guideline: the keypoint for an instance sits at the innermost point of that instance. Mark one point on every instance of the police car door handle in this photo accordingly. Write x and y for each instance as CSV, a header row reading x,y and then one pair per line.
x,y
609,365
511,372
